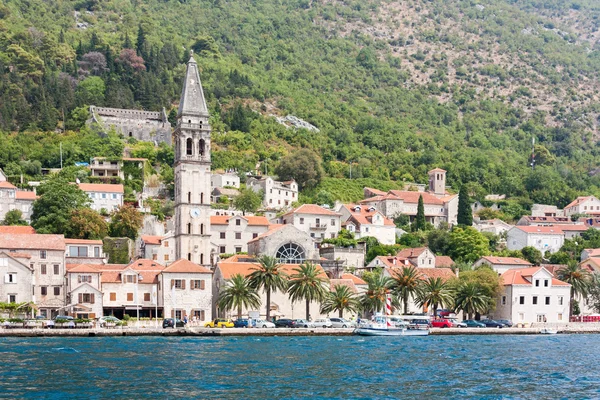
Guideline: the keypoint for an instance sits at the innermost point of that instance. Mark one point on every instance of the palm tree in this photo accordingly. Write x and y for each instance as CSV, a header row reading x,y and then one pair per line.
x,y
340,299
580,280
307,284
268,276
378,286
470,298
406,283
238,293
434,292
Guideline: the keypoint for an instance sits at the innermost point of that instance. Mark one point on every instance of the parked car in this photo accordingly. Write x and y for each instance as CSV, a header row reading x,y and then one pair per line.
x,y
261,323
442,323
304,323
169,322
109,319
420,324
240,323
64,318
471,323
505,322
219,323
341,323
490,323
323,323
456,322
285,323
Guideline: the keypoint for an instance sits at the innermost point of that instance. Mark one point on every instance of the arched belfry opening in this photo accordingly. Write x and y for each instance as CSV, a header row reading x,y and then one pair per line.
x,y
189,147
201,147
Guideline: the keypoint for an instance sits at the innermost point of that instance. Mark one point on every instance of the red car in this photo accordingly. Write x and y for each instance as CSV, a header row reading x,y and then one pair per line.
x,y
442,323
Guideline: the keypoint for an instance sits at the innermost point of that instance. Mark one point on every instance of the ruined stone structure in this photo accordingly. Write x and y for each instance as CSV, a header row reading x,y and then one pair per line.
x,y
148,126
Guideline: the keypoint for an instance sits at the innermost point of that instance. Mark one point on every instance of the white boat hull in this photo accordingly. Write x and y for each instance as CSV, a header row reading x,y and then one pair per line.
x,y
548,331
364,331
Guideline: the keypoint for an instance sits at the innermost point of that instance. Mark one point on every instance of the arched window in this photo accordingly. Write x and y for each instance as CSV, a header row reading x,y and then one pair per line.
x,y
189,197
189,228
202,229
189,147
201,258
290,253
201,146
201,198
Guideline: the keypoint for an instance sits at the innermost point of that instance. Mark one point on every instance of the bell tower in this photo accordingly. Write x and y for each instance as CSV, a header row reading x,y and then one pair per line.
x,y
191,139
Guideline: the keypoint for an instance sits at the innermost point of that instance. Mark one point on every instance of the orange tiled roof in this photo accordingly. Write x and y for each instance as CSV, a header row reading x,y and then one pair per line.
x,y
148,239
228,269
32,242
344,282
364,216
354,278
19,255
19,229
25,195
437,170
444,273
577,201
388,261
101,187
411,252
593,252
312,209
82,268
376,192
185,266
506,260
443,262
252,220
517,277
83,241
274,228
548,230
7,185
580,228
591,264
413,197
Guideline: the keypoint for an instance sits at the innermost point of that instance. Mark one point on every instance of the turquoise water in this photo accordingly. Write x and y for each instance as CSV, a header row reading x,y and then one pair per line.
x,y
481,367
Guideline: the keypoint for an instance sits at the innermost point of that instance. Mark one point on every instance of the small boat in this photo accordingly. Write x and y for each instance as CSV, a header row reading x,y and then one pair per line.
x,y
382,326
548,331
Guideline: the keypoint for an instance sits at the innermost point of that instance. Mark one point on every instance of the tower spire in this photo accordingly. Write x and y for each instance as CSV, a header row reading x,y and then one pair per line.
x,y
192,102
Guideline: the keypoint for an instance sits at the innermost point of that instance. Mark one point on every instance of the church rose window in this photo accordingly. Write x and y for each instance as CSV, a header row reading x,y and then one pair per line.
x,y
290,253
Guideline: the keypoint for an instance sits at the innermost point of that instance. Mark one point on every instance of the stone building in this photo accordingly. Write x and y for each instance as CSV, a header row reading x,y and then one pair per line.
x,y
83,251
191,140
287,243
11,198
319,222
84,293
147,126
225,179
368,222
277,195
104,196
231,234
17,279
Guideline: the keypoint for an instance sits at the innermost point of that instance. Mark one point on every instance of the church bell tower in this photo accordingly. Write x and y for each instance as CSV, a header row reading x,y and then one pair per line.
x,y
191,139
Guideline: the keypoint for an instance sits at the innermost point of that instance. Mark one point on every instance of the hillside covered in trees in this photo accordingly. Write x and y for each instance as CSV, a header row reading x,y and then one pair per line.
x,y
395,88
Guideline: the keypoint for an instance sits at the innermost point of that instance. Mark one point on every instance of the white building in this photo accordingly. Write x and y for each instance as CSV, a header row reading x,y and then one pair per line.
x,y
191,285
104,196
495,226
533,295
277,195
317,221
11,198
157,248
108,170
230,235
17,279
589,205
545,210
544,238
502,264
227,179
84,251
367,221
544,221
83,291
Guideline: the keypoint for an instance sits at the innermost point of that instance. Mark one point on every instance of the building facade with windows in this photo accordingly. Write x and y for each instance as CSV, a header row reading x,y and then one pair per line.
x,y
230,235
318,222
367,221
157,248
17,279
13,199
277,195
589,205
288,244
544,238
84,251
84,295
104,196
225,179
533,295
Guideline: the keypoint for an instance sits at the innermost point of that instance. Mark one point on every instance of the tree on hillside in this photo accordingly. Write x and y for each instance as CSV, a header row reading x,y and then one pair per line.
x,y
86,223
579,278
465,214
487,280
248,201
52,210
14,217
532,255
304,166
307,284
340,299
420,222
270,277
125,222
467,244
238,293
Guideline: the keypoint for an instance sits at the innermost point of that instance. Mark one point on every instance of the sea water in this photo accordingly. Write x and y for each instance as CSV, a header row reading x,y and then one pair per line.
x,y
477,367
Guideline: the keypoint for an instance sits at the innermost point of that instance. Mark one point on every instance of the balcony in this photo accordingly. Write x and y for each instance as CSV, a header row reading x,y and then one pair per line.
x,y
318,227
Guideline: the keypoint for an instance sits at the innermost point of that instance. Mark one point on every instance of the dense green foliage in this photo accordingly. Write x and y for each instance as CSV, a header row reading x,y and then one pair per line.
x,y
238,293
465,214
394,88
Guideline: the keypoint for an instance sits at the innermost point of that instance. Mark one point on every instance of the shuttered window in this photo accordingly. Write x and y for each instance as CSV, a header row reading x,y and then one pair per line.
x,y
113,296
197,284
129,296
146,296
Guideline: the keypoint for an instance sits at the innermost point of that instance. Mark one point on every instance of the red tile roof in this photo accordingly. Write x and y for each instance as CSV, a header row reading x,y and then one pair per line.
x,y
185,267
312,209
413,197
593,252
148,239
274,228
411,253
506,261
83,268
19,255
7,185
577,201
443,262
83,241
547,230
591,264
376,192
32,242
252,220
517,277
437,170
148,269
25,195
426,273
19,229
228,269
101,187
354,278
344,282
580,228
364,216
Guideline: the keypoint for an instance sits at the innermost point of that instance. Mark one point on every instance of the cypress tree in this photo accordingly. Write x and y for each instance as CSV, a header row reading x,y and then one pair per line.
x,y
465,214
420,222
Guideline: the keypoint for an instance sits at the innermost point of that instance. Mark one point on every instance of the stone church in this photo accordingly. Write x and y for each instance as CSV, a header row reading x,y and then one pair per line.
x,y
191,141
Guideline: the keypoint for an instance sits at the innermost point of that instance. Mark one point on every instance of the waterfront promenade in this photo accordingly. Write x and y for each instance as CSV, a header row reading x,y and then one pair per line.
x,y
573,328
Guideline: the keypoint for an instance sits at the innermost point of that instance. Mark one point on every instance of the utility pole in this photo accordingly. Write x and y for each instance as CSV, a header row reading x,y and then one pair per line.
x,y
533,153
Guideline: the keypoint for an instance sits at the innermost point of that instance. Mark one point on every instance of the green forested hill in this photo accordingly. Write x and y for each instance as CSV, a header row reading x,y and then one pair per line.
x,y
395,87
